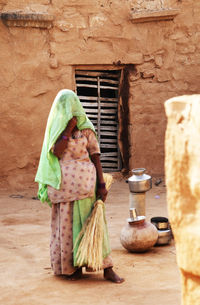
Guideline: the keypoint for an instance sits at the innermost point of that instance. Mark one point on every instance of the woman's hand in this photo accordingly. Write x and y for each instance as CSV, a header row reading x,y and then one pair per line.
x,y
61,143
70,126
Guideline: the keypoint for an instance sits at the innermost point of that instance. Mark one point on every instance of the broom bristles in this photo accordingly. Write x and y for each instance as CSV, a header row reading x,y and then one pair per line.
x,y
90,249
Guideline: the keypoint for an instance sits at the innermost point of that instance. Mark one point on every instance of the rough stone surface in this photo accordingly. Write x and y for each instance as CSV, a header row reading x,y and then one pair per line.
x,y
160,60
182,165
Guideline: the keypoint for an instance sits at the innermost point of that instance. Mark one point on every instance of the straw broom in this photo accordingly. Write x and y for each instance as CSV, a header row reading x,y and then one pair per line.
x,y
90,250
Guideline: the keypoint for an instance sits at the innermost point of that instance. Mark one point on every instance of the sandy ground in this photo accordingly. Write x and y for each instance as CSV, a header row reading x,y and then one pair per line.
x,y
26,278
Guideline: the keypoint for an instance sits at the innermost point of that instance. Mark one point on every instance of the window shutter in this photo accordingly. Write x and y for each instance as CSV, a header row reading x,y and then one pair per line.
x,y
98,93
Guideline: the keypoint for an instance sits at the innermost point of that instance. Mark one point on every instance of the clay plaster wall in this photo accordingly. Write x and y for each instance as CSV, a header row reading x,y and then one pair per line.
x,y
35,63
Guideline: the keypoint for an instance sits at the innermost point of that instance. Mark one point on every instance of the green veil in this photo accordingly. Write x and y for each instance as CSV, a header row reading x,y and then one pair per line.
x,y
65,106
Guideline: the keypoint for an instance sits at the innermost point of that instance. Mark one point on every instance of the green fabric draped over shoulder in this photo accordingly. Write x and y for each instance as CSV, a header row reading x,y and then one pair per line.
x,y
65,106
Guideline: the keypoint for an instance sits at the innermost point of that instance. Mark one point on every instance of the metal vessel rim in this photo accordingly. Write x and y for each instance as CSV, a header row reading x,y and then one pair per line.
x,y
143,177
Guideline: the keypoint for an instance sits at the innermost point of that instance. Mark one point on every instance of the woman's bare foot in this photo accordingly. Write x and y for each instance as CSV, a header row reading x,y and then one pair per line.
x,y
77,275
110,275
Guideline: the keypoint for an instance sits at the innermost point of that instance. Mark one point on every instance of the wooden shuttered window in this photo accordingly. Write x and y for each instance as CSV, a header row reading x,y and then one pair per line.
x,y
99,93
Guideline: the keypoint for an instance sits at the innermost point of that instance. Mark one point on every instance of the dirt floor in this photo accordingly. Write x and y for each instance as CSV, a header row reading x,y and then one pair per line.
x,y
26,278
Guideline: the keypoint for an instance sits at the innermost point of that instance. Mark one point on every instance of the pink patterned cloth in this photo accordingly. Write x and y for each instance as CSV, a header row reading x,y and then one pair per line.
x,y
78,182
62,240
78,172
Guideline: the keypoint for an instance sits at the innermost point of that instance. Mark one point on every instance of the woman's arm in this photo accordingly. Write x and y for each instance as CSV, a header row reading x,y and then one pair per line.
x,y
101,187
61,143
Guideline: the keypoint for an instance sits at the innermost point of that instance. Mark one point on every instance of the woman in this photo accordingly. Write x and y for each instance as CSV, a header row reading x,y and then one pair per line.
x,y
70,177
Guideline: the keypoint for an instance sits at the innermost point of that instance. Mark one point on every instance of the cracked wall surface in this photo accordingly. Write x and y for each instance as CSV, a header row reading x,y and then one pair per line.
x,y
35,63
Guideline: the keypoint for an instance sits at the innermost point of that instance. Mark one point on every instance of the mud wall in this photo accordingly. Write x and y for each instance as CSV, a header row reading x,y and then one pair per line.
x,y
36,62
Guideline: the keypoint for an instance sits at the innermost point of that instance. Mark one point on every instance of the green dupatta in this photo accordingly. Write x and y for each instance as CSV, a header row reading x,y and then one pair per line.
x,y
65,106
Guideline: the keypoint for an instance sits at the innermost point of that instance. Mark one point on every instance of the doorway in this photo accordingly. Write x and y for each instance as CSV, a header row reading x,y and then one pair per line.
x,y
98,91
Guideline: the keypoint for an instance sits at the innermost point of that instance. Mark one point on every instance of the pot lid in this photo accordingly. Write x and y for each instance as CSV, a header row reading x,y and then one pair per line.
x,y
139,171
133,216
136,220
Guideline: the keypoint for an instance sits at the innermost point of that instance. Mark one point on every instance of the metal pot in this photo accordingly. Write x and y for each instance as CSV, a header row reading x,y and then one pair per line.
x,y
161,223
164,237
139,182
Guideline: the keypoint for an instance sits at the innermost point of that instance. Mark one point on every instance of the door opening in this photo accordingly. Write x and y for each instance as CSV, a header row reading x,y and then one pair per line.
x,y
98,92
